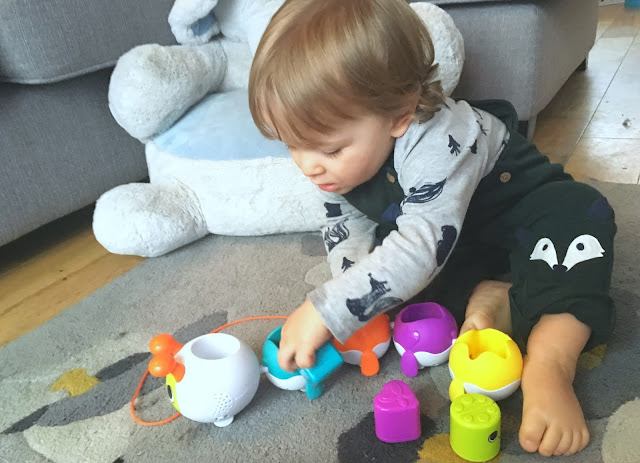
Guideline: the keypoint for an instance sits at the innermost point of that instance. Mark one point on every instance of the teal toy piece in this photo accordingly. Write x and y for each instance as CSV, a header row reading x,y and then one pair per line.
x,y
328,360
474,431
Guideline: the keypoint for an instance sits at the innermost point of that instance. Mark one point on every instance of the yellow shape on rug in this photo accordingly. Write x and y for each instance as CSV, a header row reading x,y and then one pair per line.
x,y
593,358
437,449
75,382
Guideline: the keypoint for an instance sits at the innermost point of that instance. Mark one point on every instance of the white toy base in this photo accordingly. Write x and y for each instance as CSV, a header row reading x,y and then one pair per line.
x,y
224,423
427,359
497,394
352,357
296,383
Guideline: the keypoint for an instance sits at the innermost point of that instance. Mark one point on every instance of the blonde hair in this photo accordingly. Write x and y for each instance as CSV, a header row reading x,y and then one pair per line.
x,y
321,62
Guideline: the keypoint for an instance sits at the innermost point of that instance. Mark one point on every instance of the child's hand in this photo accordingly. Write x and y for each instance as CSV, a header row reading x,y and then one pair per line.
x,y
302,334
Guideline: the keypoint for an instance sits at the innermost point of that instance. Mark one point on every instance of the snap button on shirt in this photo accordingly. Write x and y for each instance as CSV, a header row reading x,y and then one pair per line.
x,y
505,177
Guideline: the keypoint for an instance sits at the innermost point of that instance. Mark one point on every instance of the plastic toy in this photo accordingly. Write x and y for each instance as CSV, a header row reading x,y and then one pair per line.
x,y
328,360
367,345
210,379
474,432
485,362
423,335
213,377
396,412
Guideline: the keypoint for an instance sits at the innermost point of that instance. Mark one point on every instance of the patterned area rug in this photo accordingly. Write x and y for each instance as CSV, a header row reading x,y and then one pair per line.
x,y
66,386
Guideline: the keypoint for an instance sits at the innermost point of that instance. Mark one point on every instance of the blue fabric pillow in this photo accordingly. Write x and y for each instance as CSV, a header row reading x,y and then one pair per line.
x,y
219,128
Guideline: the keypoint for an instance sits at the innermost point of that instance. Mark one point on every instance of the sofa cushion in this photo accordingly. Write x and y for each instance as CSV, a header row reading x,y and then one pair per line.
x,y
50,40
60,149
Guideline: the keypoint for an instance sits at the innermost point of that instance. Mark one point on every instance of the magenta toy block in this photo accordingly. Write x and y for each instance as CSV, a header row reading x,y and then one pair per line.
x,y
396,413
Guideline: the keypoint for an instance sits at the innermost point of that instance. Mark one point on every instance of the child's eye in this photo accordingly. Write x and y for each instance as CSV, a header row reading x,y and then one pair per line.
x,y
333,153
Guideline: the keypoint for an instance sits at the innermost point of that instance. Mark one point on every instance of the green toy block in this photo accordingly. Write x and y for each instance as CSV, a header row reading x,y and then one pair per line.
x,y
474,431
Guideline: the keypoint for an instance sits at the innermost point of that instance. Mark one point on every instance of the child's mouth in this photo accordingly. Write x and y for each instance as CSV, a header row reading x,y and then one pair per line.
x,y
330,187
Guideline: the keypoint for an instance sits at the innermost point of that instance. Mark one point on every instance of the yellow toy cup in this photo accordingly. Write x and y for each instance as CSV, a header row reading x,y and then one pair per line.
x,y
485,362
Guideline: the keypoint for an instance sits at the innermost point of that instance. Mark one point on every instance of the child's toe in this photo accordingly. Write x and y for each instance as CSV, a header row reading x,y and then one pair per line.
x,y
550,441
531,432
580,441
565,444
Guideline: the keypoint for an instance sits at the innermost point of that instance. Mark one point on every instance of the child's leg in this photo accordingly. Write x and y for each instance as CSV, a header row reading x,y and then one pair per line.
x,y
552,419
561,269
469,265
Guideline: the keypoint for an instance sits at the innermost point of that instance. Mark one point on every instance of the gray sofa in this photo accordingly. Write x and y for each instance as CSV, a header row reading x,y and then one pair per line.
x,y
522,51
60,148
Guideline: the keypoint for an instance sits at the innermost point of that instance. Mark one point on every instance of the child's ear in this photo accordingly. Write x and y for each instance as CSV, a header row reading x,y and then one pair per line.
x,y
402,122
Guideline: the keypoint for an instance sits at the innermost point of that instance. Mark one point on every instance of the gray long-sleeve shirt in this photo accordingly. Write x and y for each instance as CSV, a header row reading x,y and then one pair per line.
x,y
439,165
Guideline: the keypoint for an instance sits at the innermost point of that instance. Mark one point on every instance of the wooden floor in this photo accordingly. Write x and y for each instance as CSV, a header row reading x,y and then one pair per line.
x,y
593,123
592,126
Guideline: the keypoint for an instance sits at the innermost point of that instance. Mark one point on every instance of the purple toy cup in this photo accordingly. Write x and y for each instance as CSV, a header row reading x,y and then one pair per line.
x,y
396,413
423,335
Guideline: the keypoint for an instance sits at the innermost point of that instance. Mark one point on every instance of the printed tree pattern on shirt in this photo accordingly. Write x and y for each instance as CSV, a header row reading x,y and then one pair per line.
x,y
372,303
474,148
346,264
454,145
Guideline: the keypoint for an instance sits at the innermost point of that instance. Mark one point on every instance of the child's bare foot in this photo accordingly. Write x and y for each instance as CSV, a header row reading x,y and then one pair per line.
x,y
488,307
552,420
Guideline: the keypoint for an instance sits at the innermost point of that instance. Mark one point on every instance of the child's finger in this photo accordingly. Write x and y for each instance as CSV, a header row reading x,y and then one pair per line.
x,y
305,359
286,359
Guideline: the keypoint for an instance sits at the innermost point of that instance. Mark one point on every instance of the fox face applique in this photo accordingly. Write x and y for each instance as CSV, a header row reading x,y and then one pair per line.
x,y
576,256
581,249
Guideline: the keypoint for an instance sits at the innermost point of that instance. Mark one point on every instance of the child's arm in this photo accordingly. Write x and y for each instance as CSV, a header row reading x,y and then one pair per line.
x,y
348,236
439,165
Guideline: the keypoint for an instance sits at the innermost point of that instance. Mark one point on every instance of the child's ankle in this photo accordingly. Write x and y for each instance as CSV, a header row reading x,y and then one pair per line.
x,y
548,364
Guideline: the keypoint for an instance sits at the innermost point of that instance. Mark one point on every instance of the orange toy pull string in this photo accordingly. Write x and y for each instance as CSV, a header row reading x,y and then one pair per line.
x,y
146,373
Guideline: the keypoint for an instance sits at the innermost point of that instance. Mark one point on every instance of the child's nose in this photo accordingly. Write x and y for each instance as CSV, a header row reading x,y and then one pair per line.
x,y
311,165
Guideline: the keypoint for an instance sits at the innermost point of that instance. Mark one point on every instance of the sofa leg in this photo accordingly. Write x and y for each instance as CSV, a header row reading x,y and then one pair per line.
x,y
583,66
527,128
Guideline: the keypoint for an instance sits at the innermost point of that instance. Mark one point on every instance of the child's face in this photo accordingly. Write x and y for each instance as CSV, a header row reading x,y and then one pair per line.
x,y
351,155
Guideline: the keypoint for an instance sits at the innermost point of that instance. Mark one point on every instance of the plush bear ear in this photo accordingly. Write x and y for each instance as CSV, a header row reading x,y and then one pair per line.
x,y
600,209
192,21
448,44
524,236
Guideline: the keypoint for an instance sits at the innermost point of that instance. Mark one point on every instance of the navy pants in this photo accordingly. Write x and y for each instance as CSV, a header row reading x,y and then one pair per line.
x,y
552,237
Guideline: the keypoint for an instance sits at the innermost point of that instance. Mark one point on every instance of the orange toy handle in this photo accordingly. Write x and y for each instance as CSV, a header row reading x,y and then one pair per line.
x,y
369,364
164,344
164,364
